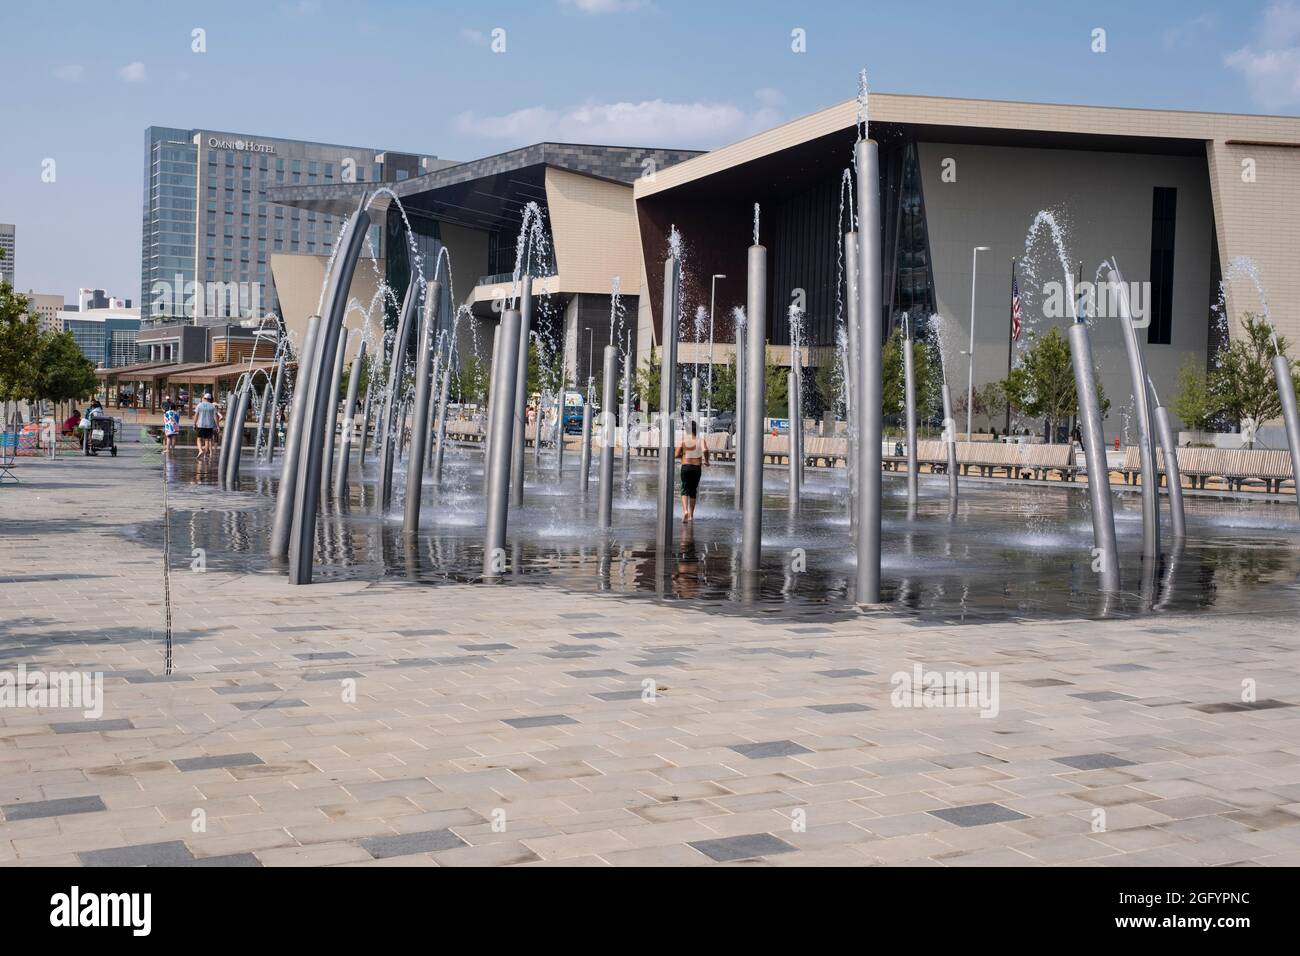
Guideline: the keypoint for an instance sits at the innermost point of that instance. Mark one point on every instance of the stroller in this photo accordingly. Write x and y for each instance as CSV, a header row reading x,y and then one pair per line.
x,y
100,436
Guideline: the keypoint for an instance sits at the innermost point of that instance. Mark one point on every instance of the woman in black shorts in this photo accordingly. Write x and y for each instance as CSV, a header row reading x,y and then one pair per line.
x,y
694,456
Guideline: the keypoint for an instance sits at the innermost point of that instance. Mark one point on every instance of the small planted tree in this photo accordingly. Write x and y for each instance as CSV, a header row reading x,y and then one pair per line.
x,y
925,367
1242,381
1042,384
63,374
1194,400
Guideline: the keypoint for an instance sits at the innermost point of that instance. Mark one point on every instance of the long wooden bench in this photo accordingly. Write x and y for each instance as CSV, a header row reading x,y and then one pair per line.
x,y
1234,467
1015,460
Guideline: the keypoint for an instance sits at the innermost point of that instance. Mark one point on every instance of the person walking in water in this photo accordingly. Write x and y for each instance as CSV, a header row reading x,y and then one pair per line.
x,y
694,455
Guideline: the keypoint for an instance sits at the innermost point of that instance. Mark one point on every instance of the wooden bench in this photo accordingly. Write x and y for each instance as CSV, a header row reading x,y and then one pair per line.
x,y
1233,467
988,458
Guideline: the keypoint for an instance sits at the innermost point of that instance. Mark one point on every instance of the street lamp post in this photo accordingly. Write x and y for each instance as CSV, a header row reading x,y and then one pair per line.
x,y
970,362
713,293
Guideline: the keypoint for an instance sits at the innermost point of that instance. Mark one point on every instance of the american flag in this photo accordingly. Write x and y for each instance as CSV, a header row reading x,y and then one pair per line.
x,y
1015,308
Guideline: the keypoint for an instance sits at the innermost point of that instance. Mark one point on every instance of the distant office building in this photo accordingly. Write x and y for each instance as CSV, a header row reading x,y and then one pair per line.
x,y
105,336
209,230
48,309
9,245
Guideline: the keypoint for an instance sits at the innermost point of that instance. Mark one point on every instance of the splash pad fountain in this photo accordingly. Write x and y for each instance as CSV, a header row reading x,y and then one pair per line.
x,y
493,512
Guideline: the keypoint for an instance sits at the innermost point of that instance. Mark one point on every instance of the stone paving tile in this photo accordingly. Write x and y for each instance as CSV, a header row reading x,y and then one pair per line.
x,y
170,853
405,844
456,722
742,847
51,808
977,814
187,764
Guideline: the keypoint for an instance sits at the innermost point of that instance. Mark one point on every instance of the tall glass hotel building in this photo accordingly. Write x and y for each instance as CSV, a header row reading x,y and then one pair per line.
x,y
209,231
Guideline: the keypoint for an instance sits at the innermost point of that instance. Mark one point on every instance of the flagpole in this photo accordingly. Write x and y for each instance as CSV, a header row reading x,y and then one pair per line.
x,y
1011,341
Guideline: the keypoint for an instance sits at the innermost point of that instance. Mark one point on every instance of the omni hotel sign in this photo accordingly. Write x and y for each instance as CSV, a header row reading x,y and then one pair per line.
x,y
241,145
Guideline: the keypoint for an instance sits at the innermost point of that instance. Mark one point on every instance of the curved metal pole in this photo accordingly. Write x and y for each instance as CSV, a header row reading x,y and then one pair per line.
x,y
367,404
332,414
559,434
307,498
520,402
502,429
667,411
1173,475
1105,552
396,362
277,394
1286,392
441,446
288,486
1142,412
751,539
349,413
867,170
236,430
420,411
261,421
608,433
494,379
223,451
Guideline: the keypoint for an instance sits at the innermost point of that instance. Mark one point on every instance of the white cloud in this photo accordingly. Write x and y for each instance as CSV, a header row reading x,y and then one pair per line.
x,y
69,72
603,6
1271,66
648,123
132,72
1190,32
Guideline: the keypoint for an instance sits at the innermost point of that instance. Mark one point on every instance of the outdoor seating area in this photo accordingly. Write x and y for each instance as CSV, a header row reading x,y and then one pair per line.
x,y
1229,469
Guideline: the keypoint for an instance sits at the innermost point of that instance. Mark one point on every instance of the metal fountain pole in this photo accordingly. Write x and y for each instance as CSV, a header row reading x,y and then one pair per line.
x,y
441,447
667,408
387,424
366,405
332,414
223,451
293,442
584,457
627,406
795,479
277,391
236,429
1105,551
494,380
949,432
867,171
852,325
503,413
608,432
349,418
261,419
751,538
1142,412
739,418
420,410
307,496
559,433
1173,475
1286,392
909,401
431,415
520,403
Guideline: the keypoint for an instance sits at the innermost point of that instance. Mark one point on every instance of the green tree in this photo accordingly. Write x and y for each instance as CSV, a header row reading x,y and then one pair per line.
x,y
648,379
1194,400
827,382
925,366
724,386
64,373
470,382
1042,383
1243,381
20,347
777,397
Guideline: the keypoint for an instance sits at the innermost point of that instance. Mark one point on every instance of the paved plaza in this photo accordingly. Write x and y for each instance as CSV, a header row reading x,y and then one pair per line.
x,y
379,722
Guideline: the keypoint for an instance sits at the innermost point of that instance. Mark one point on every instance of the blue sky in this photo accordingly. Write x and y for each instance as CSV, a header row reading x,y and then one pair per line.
x,y
84,79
